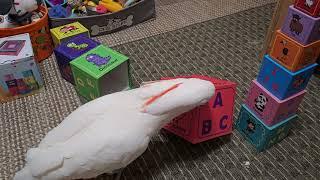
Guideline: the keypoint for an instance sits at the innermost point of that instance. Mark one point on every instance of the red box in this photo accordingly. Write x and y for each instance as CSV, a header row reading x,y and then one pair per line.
x,y
310,7
208,121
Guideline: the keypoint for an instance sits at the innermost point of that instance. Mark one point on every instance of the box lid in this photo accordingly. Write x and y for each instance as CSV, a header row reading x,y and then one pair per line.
x,y
99,61
76,46
15,49
68,30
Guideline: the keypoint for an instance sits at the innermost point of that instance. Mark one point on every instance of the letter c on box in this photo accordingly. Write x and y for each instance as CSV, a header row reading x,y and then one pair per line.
x,y
223,125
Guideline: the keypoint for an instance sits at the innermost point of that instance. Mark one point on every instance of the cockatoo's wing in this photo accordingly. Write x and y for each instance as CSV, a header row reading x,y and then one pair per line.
x,y
84,116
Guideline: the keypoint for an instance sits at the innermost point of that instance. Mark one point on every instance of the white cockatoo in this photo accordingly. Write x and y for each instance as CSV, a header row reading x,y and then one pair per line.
x,y
110,132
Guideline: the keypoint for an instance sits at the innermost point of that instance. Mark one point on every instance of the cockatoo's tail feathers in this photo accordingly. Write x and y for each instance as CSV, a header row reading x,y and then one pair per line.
x,y
24,174
43,161
155,97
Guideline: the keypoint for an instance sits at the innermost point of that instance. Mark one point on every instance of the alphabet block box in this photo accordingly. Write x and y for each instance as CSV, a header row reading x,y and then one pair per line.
x,y
301,27
269,108
100,71
208,121
70,50
257,133
293,55
64,33
279,81
19,72
311,7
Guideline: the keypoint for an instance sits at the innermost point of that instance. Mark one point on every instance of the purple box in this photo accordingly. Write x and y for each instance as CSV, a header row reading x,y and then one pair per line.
x,y
301,27
269,108
70,50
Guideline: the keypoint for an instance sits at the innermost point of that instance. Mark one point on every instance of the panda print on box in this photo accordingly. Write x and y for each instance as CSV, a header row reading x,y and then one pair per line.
x,y
260,102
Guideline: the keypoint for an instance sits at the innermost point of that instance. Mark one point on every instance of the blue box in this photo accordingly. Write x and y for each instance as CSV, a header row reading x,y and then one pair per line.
x,y
257,133
281,82
70,50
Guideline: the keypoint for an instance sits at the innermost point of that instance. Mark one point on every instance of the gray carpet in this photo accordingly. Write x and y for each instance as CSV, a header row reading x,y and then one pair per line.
x,y
226,48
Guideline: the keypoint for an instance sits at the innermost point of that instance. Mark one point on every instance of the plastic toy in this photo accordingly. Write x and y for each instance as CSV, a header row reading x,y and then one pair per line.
x,y
293,55
301,27
58,11
53,3
117,128
281,82
64,33
269,108
100,71
19,73
257,133
208,121
70,50
110,5
311,7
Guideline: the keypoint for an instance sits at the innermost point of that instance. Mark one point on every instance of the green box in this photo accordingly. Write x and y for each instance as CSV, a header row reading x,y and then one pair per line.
x,y
101,71
64,33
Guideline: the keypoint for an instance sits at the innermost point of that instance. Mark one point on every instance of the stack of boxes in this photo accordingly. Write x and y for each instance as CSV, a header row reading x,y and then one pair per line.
x,y
93,68
19,72
274,97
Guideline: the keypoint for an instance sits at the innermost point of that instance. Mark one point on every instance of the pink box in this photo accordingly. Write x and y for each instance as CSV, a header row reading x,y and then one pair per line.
x,y
269,108
211,120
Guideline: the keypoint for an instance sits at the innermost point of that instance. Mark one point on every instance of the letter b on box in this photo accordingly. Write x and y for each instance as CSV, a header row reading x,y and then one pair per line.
x,y
208,121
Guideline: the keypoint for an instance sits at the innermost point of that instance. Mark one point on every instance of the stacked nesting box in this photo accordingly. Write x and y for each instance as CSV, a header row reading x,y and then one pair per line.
x,y
93,68
274,97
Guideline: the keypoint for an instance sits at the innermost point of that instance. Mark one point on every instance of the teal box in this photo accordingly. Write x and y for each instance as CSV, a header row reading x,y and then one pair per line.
x,y
257,133
281,82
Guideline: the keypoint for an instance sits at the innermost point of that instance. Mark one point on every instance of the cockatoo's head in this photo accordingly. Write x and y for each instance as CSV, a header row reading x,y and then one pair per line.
x,y
175,96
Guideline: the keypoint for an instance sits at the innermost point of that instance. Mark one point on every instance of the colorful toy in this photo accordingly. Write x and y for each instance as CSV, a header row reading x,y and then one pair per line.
x,y
281,82
64,33
293,55
301,27
311,7
117,128
257,133
100,71
53,3
110,5
269,108
210,120
19,73
70,50
58,11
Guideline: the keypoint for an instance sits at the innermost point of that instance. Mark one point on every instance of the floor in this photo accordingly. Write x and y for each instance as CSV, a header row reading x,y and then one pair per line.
x,y
225,44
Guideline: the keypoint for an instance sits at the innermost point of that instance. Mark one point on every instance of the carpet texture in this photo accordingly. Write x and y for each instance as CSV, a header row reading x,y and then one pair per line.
x,y
226,48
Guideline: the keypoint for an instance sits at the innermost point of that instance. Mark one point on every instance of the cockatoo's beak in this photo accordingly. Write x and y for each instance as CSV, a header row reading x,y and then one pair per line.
x,y
155,97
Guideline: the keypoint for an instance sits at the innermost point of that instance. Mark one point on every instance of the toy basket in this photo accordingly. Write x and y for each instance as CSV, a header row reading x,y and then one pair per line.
x,y
40,35
109,23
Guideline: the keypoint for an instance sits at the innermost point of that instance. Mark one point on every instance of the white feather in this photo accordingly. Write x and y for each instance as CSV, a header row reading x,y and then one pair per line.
x,y
110,132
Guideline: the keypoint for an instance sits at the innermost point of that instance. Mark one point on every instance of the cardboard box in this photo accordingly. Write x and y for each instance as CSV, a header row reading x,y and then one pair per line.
x,y
269,108
281,82
70,50
301,27
311,7
293,55
19,72
257,133
64,33
101,71
108,23
209,121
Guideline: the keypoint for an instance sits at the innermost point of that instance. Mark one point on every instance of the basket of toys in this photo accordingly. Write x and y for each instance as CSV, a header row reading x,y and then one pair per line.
x,y
38,29
102,17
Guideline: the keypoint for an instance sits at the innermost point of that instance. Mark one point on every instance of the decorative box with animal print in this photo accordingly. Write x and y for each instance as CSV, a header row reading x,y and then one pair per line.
x,y
293,55
281,82
64,33
70,50
257,133
301,27
99,72
211,120
269,108
311,7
